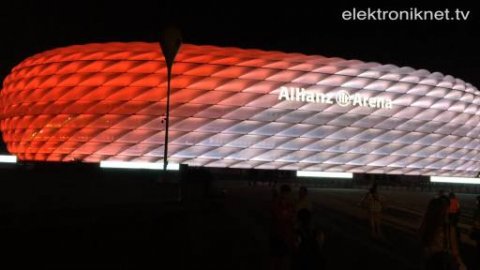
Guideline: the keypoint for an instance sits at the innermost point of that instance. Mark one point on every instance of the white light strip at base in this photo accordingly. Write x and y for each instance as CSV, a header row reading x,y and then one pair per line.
x,y
325,174
139,165
8,159
455,180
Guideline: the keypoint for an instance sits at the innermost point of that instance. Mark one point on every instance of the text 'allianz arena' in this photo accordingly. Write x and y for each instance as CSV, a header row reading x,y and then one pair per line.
x,y
241,109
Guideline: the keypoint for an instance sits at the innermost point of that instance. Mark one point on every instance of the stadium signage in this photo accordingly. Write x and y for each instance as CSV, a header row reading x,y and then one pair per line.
x,y
342,98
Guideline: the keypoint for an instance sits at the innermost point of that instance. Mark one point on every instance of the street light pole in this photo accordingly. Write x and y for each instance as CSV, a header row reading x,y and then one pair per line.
x,y
170,42
167,118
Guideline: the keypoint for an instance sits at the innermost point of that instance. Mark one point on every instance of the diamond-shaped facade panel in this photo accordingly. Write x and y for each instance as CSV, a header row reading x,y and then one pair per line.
x,y
239,108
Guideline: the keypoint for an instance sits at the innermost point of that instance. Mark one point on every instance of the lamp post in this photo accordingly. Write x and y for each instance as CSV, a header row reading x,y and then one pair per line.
x,y
170,42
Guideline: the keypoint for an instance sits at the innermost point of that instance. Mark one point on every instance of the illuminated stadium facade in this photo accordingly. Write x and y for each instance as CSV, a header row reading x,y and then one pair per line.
x,y
240,109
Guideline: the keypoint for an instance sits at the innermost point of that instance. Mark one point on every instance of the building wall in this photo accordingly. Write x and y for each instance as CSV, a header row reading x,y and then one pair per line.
x,y
107,102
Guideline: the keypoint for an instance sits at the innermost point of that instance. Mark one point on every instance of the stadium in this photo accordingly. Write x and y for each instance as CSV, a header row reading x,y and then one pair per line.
x,y
239,108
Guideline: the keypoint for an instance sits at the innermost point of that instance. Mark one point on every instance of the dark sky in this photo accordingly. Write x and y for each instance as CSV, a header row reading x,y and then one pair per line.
x,y
451,47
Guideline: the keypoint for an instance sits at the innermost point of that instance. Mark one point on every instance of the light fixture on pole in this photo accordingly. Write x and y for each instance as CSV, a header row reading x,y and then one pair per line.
x,y
170,42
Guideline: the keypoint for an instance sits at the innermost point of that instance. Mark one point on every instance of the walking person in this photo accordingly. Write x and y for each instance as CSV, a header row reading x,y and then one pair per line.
x,y
454,213
308,254
282,237
374,203
439,239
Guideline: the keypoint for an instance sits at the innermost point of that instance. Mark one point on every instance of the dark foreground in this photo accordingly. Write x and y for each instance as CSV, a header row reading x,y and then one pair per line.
x,y
140,225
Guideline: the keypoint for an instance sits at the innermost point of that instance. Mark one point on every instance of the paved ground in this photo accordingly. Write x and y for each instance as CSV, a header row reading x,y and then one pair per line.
x,y
348,244
228,232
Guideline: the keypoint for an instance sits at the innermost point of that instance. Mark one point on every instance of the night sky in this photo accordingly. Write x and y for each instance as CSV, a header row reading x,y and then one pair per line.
x,y
450,47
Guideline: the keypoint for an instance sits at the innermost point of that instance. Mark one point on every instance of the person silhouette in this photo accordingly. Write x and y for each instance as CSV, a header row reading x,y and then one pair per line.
x,y
374,203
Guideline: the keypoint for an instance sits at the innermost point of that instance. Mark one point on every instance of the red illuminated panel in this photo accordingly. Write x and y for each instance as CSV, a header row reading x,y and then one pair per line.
x,y
107,102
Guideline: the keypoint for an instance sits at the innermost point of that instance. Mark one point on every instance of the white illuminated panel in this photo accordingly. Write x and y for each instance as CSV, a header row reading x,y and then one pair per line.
x,y
324,174
8,159
454,180
138,165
